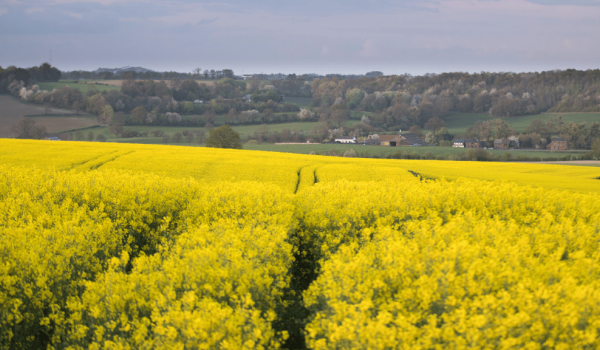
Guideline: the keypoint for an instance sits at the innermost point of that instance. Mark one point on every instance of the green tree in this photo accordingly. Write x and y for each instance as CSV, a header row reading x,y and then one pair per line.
x,y
101,138
339,114
138,115
177,137
434,124
503,130
116,129
223,137
188,107
594,134
90,136
354,97
415,129
596,148
537,126
107,115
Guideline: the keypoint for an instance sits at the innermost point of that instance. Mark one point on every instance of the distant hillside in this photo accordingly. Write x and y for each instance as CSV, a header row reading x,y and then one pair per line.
x,y
122,70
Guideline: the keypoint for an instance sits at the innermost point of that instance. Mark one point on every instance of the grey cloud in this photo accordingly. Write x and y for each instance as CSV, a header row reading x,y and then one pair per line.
x,y
312,36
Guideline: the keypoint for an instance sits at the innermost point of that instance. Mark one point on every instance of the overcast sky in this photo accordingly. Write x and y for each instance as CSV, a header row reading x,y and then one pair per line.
x,y
320,36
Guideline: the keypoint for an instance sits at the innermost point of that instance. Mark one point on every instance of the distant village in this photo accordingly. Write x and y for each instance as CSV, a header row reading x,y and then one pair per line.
x,y
410,139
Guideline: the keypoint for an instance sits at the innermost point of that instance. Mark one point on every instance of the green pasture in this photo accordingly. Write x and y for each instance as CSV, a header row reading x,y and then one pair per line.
x,y
520,123
170,131
243,130
457,123
306,127
299,101
81,86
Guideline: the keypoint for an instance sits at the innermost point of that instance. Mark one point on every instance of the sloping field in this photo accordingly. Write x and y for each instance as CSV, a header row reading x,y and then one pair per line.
x,y
59,124
457,123
122,246
11,111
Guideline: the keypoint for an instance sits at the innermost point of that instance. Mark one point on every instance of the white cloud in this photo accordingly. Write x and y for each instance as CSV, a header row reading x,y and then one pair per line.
x,y
3,11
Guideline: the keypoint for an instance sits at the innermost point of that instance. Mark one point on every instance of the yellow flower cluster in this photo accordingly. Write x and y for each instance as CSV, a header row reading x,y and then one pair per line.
x,y
59,229
140,246
464,264
217,286
113,260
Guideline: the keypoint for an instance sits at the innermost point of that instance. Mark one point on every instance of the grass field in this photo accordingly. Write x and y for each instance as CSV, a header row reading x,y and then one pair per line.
x,y
457,123
300,101
82,87
243,130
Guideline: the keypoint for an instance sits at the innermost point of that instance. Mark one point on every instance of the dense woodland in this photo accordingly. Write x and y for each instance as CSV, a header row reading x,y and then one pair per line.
x,y
414,100
392,102
45,72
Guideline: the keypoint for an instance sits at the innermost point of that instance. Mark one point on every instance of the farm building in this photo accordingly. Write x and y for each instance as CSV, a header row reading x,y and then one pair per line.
x,y
501,143
346,139
404,139
459,143
412,139
390,140
557,144
474,143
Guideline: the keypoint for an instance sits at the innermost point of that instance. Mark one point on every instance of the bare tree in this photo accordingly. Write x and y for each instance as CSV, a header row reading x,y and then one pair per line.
x,y
26,129
177,137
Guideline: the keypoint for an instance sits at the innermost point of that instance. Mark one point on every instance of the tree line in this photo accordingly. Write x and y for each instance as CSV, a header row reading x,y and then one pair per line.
x,y
42,73
405,100
149,75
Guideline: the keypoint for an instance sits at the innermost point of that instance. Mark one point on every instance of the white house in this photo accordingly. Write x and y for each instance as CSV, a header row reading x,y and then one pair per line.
x,y
346,139
460,143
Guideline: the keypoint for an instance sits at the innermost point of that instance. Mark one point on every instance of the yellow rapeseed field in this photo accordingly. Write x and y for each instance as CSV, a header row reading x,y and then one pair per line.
x,y
138,246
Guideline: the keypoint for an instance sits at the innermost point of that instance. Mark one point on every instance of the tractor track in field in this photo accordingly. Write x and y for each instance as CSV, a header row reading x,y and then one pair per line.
x,y
96,166
299,179
78,164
